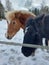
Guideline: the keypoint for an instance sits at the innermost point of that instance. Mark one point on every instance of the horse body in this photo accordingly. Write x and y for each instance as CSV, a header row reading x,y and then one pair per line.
x,y
46,25
37,29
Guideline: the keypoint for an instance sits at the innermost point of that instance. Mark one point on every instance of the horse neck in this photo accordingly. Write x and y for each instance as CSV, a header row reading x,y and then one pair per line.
x,y
26,17
23,26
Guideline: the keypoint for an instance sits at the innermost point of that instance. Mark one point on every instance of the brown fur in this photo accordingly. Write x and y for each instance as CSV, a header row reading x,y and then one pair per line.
x,y
21,15
19,18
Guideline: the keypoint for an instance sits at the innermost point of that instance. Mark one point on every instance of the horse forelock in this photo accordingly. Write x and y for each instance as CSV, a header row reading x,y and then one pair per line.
x,y
9,16
20,14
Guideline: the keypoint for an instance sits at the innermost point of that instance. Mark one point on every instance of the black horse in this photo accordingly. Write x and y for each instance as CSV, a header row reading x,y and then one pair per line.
x,y
35,30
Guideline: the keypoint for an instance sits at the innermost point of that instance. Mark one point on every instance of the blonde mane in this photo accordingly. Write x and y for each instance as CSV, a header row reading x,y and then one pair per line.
x,y
11,14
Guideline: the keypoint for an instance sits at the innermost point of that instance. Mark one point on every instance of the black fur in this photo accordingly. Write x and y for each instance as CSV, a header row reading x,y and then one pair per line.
x,y
38,28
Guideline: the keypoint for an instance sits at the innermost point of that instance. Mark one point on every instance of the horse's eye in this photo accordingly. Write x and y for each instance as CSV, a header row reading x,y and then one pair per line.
x,y
13,22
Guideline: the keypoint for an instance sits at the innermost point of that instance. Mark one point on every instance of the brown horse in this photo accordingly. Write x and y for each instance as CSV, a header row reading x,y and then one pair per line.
x,y
16,20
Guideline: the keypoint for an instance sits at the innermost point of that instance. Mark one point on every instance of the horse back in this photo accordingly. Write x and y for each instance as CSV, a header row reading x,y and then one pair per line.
x,y
46,26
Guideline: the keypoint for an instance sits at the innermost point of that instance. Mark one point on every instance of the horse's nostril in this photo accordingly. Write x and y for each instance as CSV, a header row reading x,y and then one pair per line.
x,y
8,37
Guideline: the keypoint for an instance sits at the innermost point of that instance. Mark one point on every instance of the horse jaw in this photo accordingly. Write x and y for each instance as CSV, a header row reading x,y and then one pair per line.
x,y
22,26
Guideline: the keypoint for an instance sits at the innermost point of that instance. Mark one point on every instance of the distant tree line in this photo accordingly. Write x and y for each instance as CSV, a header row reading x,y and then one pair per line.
x,y
3,10
43,10
28,4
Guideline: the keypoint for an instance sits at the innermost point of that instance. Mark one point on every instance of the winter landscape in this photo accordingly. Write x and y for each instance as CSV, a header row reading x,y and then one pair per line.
x,y
11,55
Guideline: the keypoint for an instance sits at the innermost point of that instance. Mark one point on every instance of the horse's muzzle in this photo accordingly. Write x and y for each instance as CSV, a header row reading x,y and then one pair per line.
x,y
8,37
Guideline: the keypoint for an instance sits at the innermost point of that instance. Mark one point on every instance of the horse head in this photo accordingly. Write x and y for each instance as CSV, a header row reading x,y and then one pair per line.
x,y
15,21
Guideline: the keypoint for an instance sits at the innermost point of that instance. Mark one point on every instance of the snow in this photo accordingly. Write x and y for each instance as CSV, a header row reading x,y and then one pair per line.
x,y
11,55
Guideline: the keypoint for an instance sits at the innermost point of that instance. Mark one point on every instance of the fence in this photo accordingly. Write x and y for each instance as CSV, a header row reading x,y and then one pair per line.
x,y
25,45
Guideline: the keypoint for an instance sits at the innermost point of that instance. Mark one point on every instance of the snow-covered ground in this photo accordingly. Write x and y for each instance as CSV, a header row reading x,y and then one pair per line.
x,y
11,55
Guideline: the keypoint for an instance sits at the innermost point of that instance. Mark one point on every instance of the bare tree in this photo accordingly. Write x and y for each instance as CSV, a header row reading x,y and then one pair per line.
x,y
43,3
28,3
2,10
44,8
8,5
